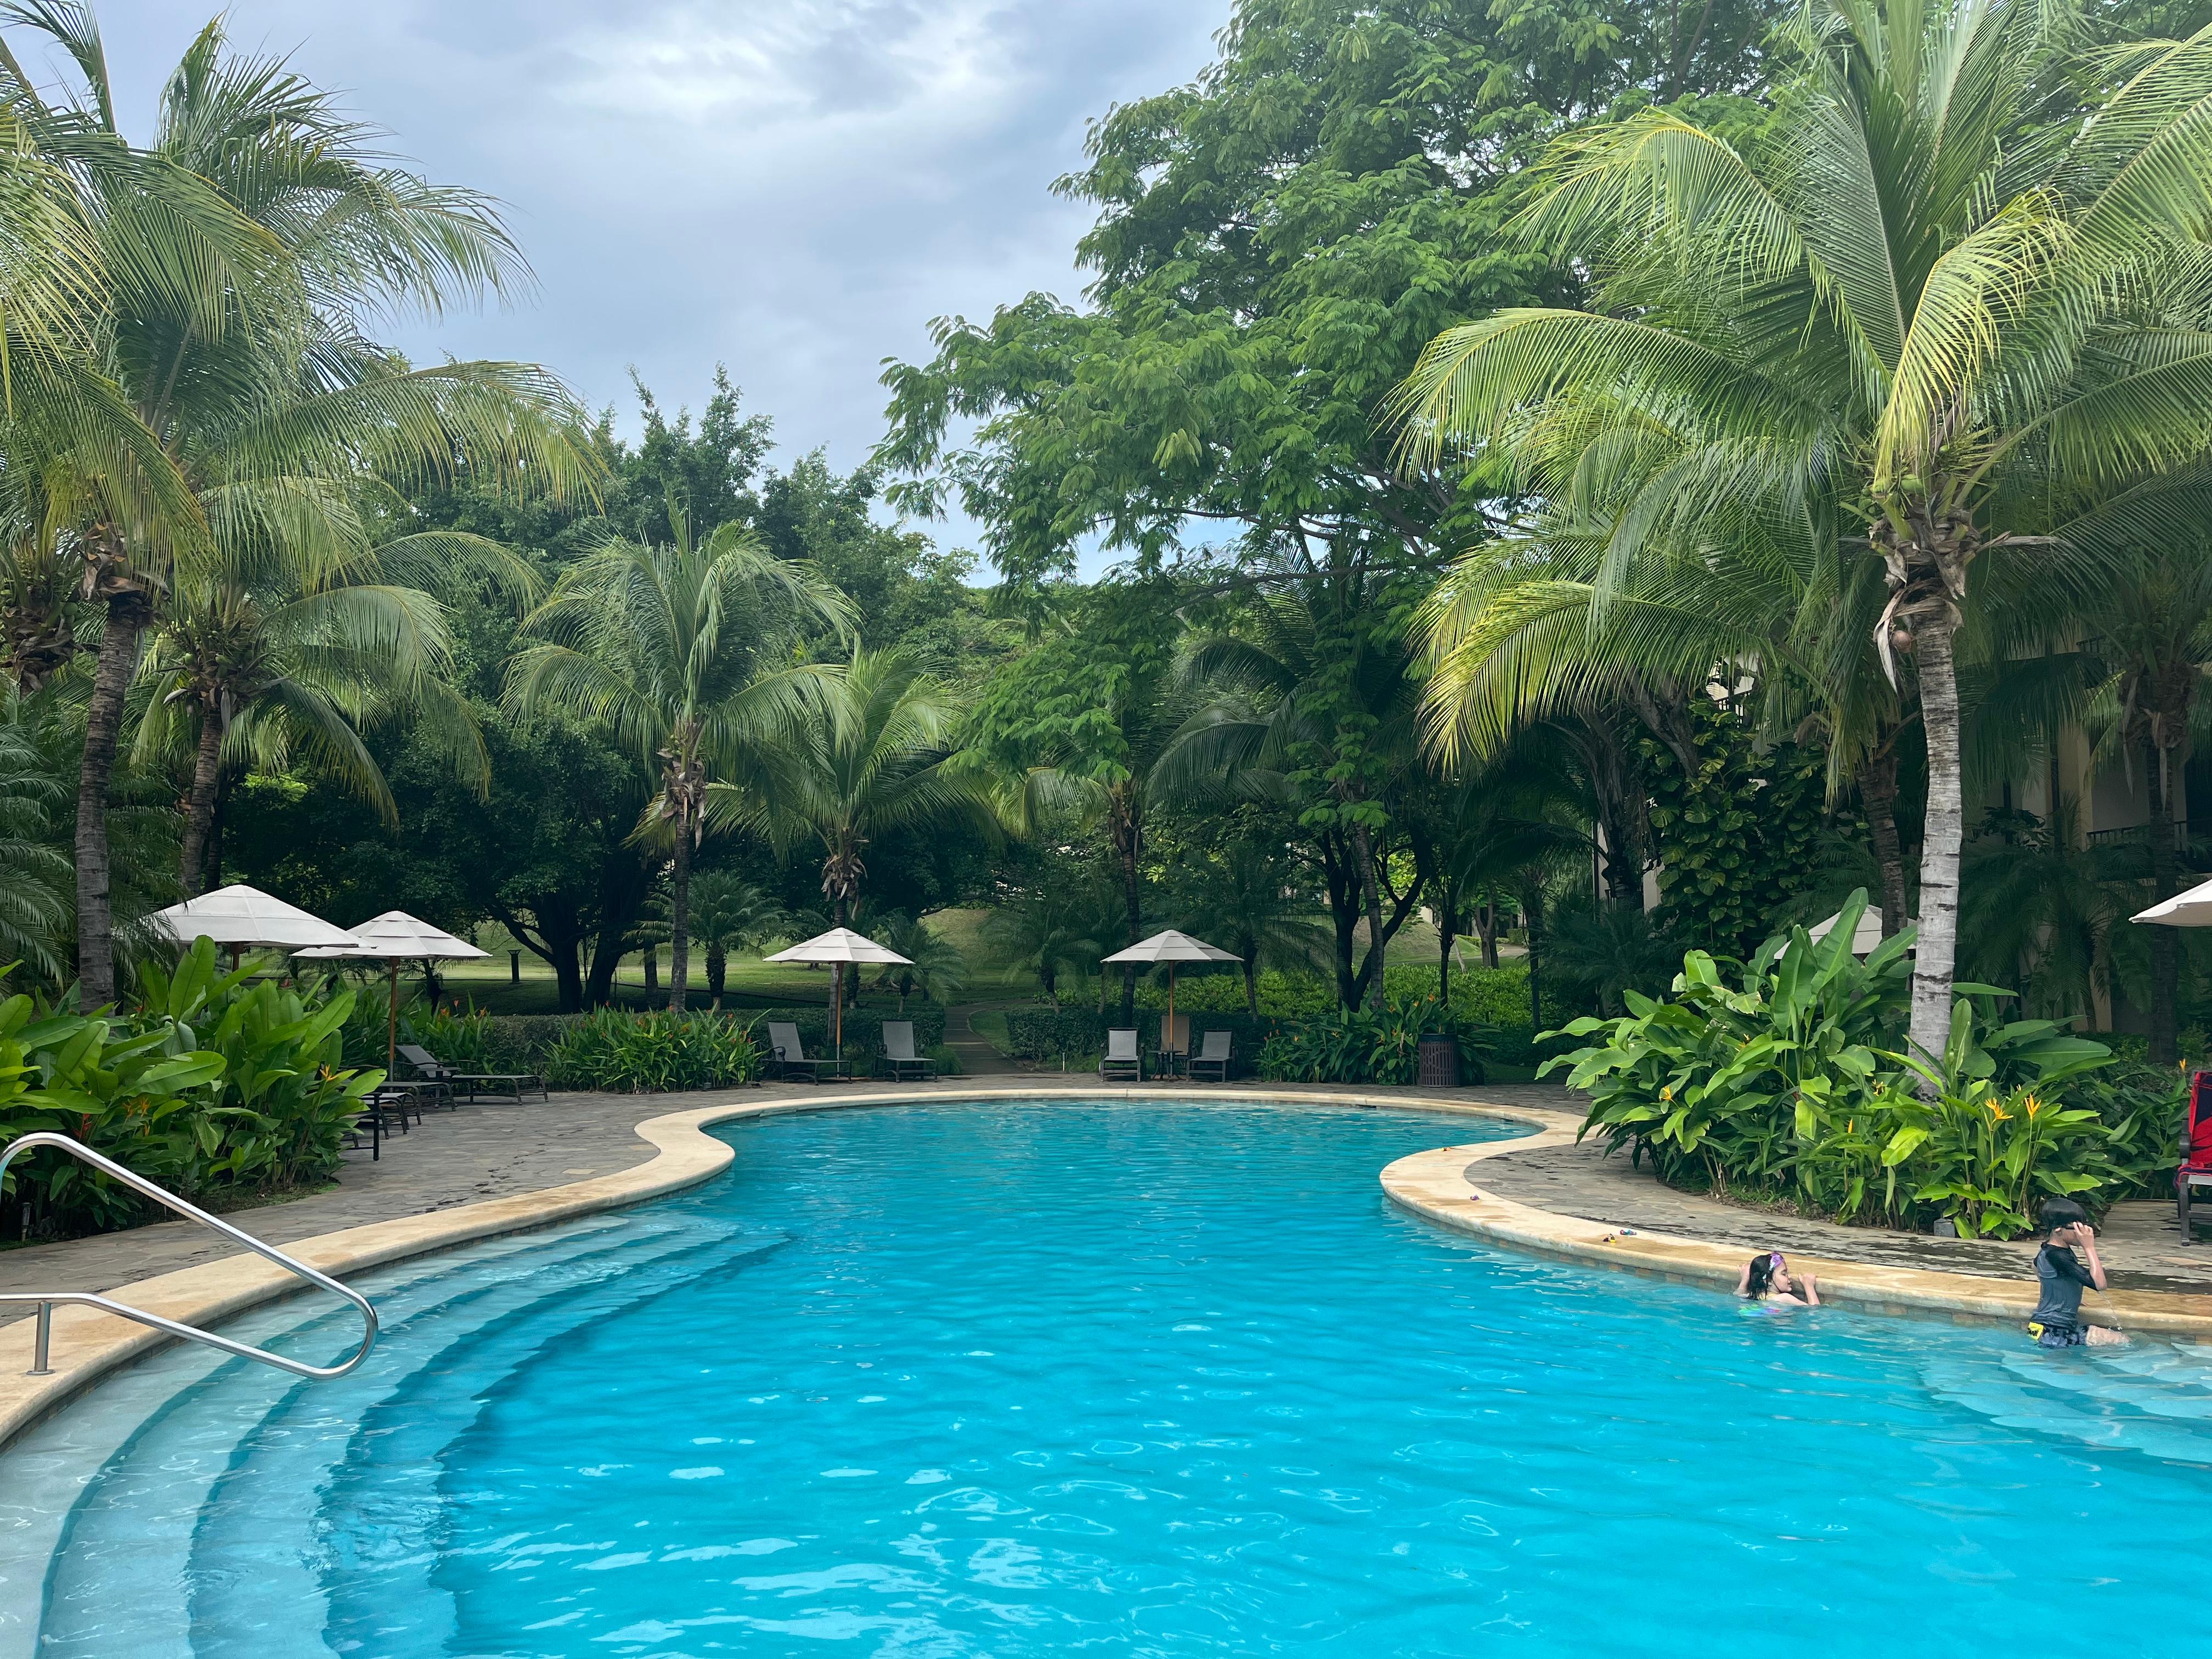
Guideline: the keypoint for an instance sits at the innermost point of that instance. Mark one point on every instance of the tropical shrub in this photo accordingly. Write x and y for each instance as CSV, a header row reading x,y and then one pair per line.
x,y
1789,1084
1358,1046
216,1084
658,1053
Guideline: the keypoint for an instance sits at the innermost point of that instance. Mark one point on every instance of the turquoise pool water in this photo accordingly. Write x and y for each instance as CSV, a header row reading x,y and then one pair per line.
x,y
1111,1379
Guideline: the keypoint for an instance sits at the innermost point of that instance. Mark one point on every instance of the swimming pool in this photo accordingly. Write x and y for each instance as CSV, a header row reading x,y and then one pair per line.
x,y
1019,1378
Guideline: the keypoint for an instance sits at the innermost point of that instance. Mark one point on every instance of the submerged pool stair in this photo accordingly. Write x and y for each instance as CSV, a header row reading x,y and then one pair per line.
x,y
251,1506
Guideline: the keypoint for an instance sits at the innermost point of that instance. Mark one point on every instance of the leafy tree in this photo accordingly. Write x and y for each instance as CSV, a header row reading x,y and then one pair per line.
x,y
1085,716
1888,318
1274,246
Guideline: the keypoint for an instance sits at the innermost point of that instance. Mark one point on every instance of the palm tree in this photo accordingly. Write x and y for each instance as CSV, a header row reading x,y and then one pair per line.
x,y
676,650
35,876
935,965
874,754
285,664
726,909
1246,901
244,250
1890,325
1048,932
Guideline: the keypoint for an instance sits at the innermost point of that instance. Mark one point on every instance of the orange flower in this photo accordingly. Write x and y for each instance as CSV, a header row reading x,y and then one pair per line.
x,y
2031,1105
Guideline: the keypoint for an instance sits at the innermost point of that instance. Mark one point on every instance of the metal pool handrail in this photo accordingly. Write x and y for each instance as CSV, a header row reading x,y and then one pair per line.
x,y
46,1300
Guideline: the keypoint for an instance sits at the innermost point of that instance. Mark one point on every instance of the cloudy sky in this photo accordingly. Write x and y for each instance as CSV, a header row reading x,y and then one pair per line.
x,y
792,187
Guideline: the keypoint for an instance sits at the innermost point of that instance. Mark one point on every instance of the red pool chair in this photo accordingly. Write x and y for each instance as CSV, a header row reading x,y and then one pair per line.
x,y
2196,1168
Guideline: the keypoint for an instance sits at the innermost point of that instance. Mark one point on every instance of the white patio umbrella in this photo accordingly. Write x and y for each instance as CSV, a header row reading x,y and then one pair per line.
x,y
1864,937
393,938
837,947
240,917
1172,947
2191,910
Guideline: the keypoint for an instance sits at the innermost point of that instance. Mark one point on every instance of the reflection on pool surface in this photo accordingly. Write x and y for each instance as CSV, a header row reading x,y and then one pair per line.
x,y
1122,1379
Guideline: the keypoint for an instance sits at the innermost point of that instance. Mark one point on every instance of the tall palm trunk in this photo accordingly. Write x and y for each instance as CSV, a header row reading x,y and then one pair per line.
x,y
1486,928
199,810
1252,982
95,921
1878,798
1943,834
679,921
1447,931
2165,721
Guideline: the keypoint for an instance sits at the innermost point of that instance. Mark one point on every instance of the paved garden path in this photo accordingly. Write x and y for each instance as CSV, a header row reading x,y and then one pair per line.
x,y
494,1149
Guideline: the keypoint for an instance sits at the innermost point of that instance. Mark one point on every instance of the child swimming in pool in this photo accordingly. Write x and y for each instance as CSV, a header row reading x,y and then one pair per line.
x,y
1766,1277
2057,1321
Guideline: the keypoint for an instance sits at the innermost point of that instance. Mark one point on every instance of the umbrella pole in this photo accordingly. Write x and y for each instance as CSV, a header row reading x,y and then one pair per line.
x,y
1170,1031
837,1018
390,1064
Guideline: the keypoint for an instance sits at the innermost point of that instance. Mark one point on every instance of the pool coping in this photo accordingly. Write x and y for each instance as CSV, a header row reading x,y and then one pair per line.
x,y
1439,1184
87,1345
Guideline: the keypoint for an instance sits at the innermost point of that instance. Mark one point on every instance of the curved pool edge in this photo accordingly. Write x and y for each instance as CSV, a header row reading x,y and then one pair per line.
x,y
1436,1186
88,1344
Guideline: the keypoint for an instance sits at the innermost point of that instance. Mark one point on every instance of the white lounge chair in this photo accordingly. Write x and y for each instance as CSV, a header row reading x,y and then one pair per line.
x,y
1212,1058
789,1054
900,1061
1121,1061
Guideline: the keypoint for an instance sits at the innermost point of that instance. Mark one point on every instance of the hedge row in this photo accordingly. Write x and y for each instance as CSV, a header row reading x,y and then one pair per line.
x,y
1046,1037
520,1042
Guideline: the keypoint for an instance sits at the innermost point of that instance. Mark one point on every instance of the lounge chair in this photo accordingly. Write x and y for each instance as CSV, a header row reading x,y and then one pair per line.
x,y
471,1084
900,1061
1121,1061
789,1054
2196,1168
1175,1046
1212,1058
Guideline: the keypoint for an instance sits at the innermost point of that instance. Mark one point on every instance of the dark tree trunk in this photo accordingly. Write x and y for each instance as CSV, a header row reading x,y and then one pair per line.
x,y
103,724
199,812
1371,879
1878,797
2165,881
1486,927
1128,829
1447,931
568,979
650,957
718,969
211,863
1534,905
1339,881
1252,982
679,921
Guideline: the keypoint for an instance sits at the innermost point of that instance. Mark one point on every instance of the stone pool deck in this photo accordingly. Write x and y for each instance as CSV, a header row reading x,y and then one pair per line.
x,y
498,1167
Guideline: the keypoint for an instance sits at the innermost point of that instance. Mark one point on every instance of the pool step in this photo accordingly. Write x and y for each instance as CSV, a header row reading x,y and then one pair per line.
x,y
361,1511
54,1468
2151,1397
152,1498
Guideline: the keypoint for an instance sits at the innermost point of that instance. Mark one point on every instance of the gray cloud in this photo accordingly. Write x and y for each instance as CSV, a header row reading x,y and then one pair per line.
x,y
794,187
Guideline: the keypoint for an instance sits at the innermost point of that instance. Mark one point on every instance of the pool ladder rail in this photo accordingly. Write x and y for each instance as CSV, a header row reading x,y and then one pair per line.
x,y
46,1301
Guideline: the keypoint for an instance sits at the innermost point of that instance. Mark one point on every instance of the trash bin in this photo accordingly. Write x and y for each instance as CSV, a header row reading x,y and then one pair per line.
x,y
1440,1062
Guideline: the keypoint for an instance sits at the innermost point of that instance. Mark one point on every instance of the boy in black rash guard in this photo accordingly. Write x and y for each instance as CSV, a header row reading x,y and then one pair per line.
x,y
2058,1320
